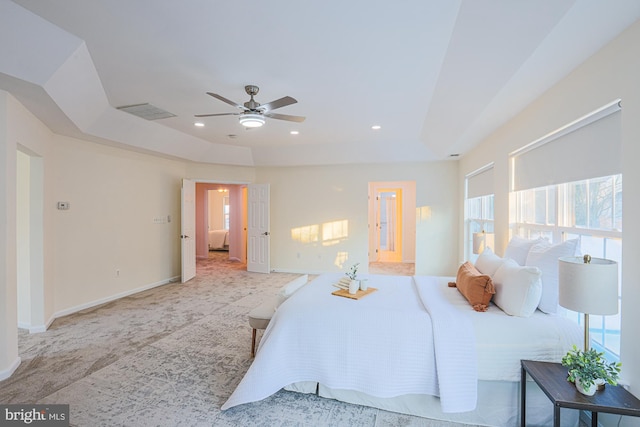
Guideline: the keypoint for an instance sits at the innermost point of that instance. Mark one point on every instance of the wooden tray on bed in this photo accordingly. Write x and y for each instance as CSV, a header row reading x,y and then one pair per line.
x,y
360,294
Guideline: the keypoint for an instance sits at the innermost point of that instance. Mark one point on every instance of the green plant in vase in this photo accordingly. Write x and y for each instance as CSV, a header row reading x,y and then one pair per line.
x,y
353,272
585,368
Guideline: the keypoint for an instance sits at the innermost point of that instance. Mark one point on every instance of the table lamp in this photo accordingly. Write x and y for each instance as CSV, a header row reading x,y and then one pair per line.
x,y
588,285
481,241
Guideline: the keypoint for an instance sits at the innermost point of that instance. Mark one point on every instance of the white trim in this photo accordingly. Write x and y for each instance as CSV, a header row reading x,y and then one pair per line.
x,y
38,328
9,371
100,301
604,111
293,271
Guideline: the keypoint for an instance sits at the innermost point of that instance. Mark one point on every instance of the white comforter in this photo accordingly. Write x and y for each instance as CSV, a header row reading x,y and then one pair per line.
x,y
381,345
503,340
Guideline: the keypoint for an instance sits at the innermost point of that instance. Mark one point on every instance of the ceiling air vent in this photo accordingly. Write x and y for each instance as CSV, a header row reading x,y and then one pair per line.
x,y
146,111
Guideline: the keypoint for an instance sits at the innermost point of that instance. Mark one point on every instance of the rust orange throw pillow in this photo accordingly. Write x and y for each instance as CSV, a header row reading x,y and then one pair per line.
x,y
476,287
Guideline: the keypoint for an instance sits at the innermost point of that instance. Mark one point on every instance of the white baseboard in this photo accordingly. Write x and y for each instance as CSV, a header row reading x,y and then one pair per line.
x,y
38,328
285,270
6,373
105,300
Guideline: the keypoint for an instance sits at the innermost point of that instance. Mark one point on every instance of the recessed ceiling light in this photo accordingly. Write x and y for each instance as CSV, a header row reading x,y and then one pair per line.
x,y
199,124
376,127
294,132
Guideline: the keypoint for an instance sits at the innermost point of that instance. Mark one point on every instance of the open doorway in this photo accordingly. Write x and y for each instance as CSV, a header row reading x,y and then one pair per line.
x,y
392,225
248,238
218,214
32,298
220,220
389,225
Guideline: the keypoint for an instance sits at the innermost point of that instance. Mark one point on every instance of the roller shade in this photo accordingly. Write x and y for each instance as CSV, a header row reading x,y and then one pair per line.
x,y
480,183
585,151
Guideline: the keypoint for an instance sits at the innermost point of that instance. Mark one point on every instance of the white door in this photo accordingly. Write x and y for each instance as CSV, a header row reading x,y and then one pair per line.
x,y
188,229
258,239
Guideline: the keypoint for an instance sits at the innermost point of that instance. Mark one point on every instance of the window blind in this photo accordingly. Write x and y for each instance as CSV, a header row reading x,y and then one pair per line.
x,y
590,147
480,182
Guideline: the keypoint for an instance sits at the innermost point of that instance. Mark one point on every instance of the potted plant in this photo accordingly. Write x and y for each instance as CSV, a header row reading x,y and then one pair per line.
x,y
352,274
586,368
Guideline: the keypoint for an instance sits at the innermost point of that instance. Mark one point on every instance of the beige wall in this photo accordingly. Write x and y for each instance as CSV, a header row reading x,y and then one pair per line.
x,y
609,74
9,359
318,199
107,243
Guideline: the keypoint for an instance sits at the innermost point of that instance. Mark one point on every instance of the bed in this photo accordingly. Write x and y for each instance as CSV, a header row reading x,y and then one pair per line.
x,y
413,346
218,240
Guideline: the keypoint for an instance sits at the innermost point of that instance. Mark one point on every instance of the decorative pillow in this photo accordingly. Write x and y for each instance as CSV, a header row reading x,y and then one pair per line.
x,y
488,262
518,249
545,257
518,289
476,287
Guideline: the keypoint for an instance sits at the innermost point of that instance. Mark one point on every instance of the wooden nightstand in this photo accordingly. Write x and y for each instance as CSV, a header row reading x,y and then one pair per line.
x,y
552,380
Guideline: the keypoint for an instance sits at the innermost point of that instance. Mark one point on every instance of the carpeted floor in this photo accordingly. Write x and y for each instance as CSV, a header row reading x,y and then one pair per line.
x,y
171,356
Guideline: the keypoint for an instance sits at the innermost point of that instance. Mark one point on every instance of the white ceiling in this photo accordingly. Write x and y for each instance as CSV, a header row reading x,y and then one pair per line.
x,y
437,75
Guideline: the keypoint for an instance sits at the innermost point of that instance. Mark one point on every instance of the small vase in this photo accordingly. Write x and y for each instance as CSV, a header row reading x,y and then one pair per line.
x,y
590,391
363,285
353,286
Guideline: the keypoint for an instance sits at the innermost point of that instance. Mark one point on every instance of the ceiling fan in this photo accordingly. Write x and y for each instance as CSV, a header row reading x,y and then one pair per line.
x,y
253,113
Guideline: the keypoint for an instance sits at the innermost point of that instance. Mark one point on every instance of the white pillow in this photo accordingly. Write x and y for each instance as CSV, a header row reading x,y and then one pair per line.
x,y
518,289
518,248
287,290
545,257
488,262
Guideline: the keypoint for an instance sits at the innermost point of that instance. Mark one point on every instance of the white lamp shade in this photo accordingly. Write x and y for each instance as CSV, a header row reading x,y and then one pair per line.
x,y
481,241
588,288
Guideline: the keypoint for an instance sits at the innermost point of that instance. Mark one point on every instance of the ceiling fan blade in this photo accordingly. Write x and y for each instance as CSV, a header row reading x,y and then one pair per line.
x,y
217,114
287,117
228,101
278,103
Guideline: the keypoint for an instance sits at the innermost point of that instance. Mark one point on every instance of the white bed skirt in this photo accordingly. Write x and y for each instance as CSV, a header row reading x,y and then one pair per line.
x,y
498,404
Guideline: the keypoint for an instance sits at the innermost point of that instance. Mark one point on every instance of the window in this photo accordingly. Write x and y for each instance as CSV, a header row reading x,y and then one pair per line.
x,y
479,206
479,218
225,211
590,210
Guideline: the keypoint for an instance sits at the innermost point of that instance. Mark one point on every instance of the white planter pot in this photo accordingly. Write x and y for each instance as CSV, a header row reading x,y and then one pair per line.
x,y
354,285
590,391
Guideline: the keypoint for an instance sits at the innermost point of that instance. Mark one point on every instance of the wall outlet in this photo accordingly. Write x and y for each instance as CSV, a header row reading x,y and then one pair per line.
x,y
64,206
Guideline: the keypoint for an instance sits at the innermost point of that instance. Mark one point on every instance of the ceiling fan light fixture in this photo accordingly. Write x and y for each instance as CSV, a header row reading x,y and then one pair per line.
x,y
251,120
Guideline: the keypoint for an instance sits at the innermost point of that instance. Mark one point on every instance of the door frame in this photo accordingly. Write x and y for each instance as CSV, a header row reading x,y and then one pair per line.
x,y
239,217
